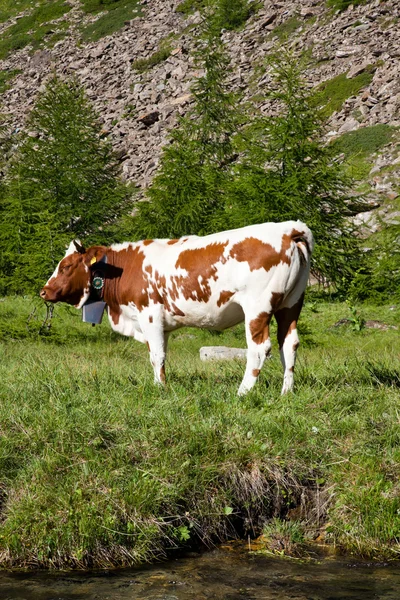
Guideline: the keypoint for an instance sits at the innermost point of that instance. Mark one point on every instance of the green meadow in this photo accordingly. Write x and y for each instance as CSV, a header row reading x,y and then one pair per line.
x,y
101,468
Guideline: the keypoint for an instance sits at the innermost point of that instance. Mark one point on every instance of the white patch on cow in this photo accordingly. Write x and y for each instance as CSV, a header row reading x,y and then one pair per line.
x,y
123,246
85,297
128,323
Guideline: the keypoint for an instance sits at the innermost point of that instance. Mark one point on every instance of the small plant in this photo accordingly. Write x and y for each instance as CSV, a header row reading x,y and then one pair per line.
x,y
284,538
356,319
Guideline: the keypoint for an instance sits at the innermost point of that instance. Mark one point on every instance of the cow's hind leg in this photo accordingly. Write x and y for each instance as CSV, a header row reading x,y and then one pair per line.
x,y
258,347
288,340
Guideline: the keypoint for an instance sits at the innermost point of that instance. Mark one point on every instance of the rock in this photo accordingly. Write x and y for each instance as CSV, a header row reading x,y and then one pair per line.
x,y
349,125
348,51
222,353
357,69
149,118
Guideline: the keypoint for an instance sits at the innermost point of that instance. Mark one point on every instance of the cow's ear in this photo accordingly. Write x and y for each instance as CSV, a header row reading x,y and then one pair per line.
x,y
94,254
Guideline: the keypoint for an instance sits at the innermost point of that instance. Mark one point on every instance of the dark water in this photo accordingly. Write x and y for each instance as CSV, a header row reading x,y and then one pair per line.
x,y
222,574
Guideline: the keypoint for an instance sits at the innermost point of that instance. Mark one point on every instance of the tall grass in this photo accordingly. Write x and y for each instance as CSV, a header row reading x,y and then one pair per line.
x,y
100,467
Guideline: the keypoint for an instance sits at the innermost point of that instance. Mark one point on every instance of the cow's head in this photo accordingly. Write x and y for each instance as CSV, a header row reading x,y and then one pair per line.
x,y
71,279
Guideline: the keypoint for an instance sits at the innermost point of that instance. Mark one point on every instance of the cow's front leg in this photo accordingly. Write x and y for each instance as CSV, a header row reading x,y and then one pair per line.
x,y
156,340
258,347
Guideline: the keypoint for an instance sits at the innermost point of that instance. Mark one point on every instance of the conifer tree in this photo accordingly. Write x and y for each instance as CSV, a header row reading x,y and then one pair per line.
x,y
62,183
287,171
187,194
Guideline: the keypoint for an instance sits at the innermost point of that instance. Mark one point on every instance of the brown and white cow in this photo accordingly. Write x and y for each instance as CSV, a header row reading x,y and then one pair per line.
x,y
153,287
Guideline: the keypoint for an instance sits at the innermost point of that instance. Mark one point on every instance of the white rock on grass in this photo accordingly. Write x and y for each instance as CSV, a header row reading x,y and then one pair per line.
x,y
222,353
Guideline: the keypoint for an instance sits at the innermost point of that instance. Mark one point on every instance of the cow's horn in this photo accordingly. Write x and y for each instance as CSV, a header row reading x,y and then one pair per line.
x,y
79,248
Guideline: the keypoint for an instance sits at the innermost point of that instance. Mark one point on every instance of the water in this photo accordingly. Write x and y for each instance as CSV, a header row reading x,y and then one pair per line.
x,y
222,574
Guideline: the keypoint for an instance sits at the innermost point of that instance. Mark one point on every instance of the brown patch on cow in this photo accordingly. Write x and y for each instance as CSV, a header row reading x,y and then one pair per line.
x,y
147,242
170,242
149,269
224,297
287,320
255,372
200,266
130,285
150,319
291,369
261,255
259,328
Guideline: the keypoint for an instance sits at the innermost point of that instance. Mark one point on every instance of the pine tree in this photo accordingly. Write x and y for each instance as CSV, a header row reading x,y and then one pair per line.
x,y
187,194
61,183
287,171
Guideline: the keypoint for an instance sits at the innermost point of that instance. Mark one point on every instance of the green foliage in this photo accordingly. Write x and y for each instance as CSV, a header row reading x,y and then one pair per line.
x,y
332,93
343,4
33,28
287,172
117,13
187,194
357,320
379,280
62,183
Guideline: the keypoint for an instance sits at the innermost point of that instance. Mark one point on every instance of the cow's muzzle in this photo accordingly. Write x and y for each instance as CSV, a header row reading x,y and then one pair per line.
x,y
47,295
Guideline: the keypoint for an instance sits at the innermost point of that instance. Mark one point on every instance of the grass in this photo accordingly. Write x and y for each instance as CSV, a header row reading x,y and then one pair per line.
x,y
99,467
344,4
117,13
33,28
287,28
359,145
189,6
145,64
6,77
10,8
335,91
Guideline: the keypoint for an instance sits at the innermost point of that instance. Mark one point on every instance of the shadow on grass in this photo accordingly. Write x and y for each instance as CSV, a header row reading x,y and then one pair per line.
x,y
382,374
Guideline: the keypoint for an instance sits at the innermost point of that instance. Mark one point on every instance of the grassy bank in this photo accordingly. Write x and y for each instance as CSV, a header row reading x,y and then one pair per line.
x,y
99,467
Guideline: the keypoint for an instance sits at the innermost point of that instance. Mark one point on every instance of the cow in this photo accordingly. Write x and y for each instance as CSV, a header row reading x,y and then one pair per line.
x,y
155,286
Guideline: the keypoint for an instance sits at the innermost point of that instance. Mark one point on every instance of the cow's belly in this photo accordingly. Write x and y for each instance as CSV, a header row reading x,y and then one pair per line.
x,y
205,316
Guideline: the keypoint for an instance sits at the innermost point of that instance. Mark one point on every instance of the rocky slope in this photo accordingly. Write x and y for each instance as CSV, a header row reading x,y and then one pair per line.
x,y
138,109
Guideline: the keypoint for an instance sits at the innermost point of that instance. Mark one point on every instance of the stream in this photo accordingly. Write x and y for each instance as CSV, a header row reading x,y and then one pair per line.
x,y
222,574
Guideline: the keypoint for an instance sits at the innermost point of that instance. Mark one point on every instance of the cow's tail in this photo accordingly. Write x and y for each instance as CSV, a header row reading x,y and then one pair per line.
x,y
303,238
